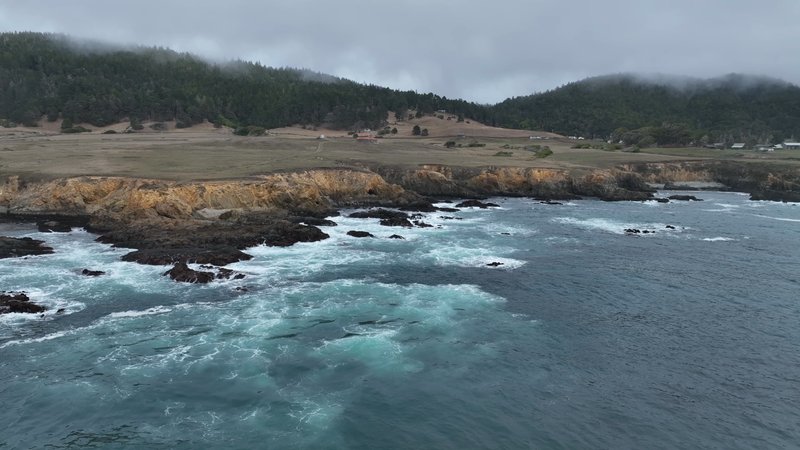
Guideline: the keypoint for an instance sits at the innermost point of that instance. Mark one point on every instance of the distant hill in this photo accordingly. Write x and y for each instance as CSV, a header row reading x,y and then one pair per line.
x,y
87,82
671,110
54,76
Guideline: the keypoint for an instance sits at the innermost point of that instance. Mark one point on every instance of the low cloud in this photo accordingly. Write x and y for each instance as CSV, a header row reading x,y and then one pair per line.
x,y
480,51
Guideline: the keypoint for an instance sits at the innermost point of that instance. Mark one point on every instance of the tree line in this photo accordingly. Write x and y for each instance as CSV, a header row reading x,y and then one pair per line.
x,y
635,111
53,76
56,77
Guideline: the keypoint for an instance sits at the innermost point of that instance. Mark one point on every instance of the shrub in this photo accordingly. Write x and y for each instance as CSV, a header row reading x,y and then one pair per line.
x,y
416,130
476,144
250,130
450,144
78,129
424,132
544,152
109,132
501,153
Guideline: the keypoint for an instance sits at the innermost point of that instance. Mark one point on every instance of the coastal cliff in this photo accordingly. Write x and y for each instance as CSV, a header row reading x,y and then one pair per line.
x,y
211,222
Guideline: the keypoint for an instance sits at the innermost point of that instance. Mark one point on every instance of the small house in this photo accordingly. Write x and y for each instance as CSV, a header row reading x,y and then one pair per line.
x,y
738,146
791,145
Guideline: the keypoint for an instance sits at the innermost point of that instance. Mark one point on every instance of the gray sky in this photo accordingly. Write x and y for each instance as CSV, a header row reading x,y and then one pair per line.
x,y
482,51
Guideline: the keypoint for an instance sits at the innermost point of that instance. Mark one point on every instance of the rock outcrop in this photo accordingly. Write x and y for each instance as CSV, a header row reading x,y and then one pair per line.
x,y
18,302
14,247
166,222
181,272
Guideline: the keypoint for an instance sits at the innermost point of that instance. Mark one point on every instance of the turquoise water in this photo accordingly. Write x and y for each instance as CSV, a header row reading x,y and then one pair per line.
x,y
583,338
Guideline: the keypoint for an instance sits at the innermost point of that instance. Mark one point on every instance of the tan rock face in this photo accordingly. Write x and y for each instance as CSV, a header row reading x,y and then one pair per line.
x,y
136,198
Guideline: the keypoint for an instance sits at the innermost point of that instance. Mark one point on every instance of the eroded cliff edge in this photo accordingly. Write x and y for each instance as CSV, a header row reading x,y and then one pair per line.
x,y
212,222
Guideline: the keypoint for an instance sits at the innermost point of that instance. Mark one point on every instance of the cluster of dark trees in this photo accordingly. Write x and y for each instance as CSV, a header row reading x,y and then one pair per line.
x,y
81,82
662,112
57,77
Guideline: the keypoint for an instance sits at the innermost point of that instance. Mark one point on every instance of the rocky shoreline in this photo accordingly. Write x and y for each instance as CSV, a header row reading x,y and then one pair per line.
x,y
211,223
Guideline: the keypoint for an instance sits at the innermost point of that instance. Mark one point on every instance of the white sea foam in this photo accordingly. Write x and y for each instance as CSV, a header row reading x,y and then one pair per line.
x,y
146,312
782,219
718,239
48,337
616,227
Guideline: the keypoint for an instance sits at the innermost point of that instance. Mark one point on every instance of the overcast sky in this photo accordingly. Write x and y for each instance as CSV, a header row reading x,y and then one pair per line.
x,y
483,51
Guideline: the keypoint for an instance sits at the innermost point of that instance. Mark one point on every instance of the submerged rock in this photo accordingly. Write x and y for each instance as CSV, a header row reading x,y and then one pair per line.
x,y
15,247
396,236
18,302
495,264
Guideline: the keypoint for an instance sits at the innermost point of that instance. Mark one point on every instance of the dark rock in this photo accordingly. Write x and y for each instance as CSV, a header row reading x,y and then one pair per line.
x,y
181,272
359,234
227,274
476,204
550,202
419,207
396,222
776,196
315,221
685,198
53,226
632,231
494,264
284,234
449,210
218,256
506,234
661,200
61,311
218,243
422,224
92,273
671,227
378,213
18,302
396,236
388,217
15,247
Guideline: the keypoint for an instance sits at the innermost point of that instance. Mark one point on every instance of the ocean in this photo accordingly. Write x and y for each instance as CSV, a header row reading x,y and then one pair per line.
x,y
584,337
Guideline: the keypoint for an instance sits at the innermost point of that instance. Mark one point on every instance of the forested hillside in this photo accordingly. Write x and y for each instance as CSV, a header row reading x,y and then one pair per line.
x,y
54,76
664,110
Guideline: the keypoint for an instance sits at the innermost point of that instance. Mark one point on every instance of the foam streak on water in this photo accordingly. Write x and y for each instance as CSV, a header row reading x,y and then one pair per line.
x,y
582,337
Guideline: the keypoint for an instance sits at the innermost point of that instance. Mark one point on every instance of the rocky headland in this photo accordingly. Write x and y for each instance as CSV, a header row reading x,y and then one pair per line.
x,y
168,222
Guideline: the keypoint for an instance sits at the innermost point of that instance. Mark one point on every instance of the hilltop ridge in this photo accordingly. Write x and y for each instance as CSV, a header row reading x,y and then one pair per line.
x,y
60,78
